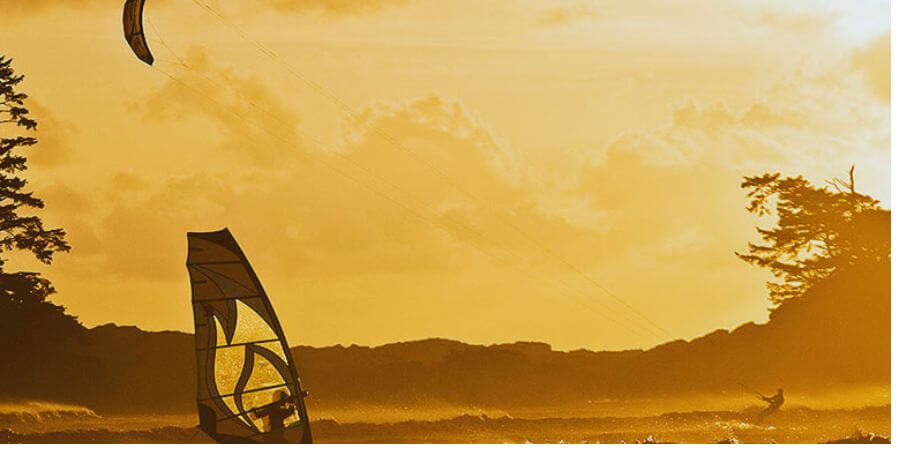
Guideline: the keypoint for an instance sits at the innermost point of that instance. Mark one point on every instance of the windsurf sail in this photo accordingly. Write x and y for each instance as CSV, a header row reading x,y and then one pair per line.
x,y
248,390
133,22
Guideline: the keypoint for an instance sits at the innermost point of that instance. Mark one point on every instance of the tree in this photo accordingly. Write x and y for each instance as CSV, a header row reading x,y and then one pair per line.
x,y
28,321
819,231
18,231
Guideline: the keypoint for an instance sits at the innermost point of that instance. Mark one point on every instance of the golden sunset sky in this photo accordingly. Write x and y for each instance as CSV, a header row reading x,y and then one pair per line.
x,y
468,169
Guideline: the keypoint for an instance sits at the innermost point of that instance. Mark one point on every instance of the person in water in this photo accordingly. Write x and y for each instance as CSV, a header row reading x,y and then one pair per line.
x,y
275,414
774,402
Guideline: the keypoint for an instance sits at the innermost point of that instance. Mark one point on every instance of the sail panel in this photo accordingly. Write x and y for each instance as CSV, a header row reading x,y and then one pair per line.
x,y
253,327
230,281
246,372
243,362
262,323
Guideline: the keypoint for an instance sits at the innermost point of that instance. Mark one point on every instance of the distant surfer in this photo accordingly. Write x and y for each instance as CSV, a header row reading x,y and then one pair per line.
x,y
774,402
275,414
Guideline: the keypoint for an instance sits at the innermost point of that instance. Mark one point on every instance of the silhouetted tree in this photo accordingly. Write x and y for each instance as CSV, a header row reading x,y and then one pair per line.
x,y
22,232
29,323
819,230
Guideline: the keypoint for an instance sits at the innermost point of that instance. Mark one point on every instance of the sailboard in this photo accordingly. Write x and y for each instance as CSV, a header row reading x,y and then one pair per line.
x,y
248,389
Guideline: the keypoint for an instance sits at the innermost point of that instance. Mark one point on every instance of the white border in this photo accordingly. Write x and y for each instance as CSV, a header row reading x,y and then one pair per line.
x,y
895,189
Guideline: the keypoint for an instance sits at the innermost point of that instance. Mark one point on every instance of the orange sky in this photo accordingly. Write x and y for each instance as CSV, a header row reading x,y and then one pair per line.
x,y
465,143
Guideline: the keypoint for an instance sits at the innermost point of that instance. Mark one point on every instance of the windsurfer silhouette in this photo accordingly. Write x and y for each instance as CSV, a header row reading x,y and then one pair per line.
x,y
774,402
275,414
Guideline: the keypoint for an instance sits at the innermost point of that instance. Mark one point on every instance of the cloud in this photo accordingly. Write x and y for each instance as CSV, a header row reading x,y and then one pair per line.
x,y
415,202
672,191
55,138
656,197
875,62
16,9
254,122
716,117
674,204
73,209
713,135
19,9
123,182
335,7
473,184
565,16
62,198
794,22
417,187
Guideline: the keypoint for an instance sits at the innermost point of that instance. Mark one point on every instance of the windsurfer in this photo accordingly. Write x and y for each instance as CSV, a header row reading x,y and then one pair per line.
x,y
774,402
275,414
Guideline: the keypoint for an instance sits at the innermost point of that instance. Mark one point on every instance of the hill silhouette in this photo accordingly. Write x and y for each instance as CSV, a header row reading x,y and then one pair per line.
x,y
836,336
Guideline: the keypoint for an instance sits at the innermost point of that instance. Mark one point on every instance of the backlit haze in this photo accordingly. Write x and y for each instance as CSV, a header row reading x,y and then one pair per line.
x,y
474,170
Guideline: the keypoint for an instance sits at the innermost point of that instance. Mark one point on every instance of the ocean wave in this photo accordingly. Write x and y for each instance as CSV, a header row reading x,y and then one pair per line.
x,y
794,426
34,411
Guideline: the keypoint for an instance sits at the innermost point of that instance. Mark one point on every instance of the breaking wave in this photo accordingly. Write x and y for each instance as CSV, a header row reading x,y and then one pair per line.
x,y
38,411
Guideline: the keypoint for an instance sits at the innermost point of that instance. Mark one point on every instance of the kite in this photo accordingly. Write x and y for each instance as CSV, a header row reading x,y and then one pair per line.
x,y
132,20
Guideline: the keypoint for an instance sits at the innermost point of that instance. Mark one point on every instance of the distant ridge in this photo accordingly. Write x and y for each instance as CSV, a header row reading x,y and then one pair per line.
x,y
809,345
